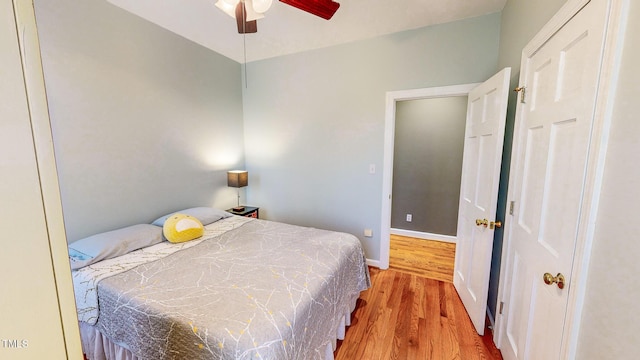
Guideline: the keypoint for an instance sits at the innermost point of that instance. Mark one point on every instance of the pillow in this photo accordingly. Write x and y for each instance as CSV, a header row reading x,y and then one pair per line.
x,y
114,243
181,227
206,215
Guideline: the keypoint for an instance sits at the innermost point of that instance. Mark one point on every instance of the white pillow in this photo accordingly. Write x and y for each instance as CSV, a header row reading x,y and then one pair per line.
x,y
206,215
114,243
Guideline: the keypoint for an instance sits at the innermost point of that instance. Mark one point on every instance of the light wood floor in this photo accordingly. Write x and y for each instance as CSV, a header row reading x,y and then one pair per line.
x,y
432,259
407,316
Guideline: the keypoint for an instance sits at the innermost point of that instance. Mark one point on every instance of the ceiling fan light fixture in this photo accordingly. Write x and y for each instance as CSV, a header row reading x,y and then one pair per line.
x,y
228,7
254,9
261,6
245,26
252,13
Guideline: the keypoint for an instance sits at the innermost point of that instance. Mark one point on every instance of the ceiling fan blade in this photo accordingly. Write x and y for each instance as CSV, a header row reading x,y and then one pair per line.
x,y
244,26
322,8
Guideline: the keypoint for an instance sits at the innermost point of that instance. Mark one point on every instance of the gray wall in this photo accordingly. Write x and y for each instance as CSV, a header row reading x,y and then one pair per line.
x,y
611,319
144,122
314,121
521,21
427,164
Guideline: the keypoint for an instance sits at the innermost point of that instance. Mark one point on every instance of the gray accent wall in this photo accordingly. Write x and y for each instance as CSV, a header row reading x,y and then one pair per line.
x,y
314,121
521,21
427,164
144,121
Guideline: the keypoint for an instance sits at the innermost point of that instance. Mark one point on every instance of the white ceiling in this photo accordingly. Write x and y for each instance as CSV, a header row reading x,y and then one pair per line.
x,y
287,30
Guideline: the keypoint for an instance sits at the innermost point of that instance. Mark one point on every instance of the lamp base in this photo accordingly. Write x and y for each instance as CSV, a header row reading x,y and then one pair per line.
x,y
238,208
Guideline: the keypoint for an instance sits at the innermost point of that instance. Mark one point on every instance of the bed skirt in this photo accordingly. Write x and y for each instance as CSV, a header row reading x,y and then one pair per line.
x,y
96,346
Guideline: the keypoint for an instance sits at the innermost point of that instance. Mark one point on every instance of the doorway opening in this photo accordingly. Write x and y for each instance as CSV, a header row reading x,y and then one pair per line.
x,y
392,100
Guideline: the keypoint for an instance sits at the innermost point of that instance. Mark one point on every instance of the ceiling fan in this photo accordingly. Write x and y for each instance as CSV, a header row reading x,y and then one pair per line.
x,y
247,12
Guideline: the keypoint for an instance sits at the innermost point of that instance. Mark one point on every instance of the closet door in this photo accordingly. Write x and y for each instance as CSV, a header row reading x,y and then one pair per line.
x,y
36,320
559,142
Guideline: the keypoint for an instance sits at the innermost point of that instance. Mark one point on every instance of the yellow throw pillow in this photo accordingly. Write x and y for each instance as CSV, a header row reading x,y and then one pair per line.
x,y
180,228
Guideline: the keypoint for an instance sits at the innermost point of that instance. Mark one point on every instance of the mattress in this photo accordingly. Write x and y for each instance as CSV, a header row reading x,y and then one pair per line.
x,y
258,290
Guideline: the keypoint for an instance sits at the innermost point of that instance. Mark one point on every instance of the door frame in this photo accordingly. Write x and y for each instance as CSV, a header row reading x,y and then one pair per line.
x,y
392,97
609,69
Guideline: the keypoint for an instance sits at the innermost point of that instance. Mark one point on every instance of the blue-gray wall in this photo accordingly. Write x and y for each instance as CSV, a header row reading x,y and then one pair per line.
x,y
144,121
314,121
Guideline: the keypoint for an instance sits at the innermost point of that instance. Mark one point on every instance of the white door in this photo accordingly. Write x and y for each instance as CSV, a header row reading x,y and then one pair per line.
x,y
30,321
37,308
482,157
550,154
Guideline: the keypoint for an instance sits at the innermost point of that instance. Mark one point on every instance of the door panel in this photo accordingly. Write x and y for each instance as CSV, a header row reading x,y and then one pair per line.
x,y
516,326
488,149
565,172
529,217
482,156
471,157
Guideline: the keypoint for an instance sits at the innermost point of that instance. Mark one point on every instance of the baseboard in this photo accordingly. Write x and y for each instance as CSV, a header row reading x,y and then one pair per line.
x,y
374,263
424,235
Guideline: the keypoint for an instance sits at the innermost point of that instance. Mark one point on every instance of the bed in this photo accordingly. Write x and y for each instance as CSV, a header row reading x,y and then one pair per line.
x,y
247,289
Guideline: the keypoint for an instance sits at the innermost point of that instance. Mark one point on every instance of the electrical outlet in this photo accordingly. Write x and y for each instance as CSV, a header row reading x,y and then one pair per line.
x,y
368,232
409,217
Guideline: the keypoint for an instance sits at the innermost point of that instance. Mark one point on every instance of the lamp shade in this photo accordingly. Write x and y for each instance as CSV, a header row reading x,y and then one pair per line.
x,y
237,178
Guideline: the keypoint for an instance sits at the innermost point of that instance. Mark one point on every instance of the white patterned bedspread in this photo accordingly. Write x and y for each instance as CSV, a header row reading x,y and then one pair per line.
x,y
263,290
85,280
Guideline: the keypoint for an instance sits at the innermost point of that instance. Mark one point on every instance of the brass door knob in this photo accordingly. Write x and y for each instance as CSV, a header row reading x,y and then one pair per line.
x,y
482,222
493,224
550,280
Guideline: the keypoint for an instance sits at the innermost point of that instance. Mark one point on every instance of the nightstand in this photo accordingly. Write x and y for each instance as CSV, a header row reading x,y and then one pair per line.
x,y
249,211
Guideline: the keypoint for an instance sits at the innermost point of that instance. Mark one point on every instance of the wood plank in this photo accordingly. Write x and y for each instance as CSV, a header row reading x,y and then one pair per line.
x,y
416,316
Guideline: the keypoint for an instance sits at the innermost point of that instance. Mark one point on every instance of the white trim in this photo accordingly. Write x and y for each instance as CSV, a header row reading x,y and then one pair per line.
x,y
374,263
609,69
387,167
424,235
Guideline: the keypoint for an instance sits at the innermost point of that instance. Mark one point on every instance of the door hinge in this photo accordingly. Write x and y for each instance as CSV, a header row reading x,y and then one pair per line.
x,y
522,91
501,307
511,205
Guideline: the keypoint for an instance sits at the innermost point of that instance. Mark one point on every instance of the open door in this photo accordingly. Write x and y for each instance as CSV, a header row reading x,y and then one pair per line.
x,y
484,136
